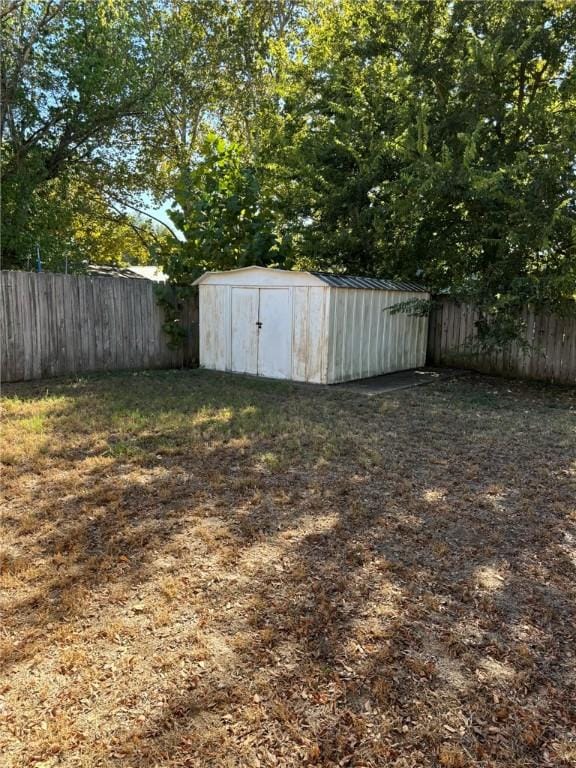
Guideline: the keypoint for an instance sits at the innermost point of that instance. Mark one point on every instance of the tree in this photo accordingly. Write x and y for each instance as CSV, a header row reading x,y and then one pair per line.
x,y
222,215
71,226
422,140
437,141
82,84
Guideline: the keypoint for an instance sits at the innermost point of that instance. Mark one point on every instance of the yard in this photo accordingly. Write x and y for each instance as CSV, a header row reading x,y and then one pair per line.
x,y
202,570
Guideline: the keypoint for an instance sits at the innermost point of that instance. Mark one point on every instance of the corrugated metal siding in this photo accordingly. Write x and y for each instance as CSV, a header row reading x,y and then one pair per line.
x,y
367,340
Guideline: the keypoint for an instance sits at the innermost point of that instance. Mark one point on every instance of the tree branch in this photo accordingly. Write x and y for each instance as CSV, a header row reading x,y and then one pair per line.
x,y
107,193
10,8
537,80
126,221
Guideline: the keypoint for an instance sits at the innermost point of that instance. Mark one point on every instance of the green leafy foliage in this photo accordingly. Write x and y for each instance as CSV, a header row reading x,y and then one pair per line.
x,y
173,298
71,227
82,87
436,142
426,141
223,216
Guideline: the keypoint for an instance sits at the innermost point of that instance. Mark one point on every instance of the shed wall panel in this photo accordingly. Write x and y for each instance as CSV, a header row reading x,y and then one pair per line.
x,y
221,343
300,331
309,337
366,339
336,335
317,340
215,327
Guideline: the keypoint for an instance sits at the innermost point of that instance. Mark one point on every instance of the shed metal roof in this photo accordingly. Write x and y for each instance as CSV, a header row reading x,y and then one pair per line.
x,y
374,283
328,278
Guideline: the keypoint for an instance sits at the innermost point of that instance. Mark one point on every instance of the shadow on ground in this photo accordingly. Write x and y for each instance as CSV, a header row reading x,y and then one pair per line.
x,y
211,571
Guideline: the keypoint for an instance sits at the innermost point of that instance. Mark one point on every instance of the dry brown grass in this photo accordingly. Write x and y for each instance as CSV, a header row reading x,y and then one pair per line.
x,y
202,570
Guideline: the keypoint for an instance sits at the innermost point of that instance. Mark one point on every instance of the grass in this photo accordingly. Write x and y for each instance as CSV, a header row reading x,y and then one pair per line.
x,y
204,570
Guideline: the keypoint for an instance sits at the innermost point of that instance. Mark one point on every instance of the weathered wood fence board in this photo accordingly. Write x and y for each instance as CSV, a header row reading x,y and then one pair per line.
x,y
53,325
547,350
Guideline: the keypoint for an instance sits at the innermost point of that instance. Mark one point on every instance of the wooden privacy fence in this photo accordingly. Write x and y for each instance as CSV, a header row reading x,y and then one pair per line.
x,y
546,351
54,324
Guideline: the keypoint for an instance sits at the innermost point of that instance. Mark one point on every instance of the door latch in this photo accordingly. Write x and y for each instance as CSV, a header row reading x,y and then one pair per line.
x,y
259,324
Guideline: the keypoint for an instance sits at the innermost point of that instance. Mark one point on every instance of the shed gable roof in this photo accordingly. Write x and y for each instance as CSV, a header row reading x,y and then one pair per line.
x,y
258,276
313,277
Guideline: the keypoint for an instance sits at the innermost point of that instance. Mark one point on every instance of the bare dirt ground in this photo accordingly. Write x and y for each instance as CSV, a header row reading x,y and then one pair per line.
x,y
203,570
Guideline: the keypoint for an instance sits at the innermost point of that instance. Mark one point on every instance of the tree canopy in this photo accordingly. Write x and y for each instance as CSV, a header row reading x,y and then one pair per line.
x,y
428,141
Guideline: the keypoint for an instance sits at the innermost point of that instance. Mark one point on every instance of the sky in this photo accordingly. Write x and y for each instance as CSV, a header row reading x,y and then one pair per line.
x,y
148,206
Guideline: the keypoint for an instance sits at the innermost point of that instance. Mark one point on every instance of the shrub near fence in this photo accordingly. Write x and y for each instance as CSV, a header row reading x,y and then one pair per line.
x,y
53,324
546,350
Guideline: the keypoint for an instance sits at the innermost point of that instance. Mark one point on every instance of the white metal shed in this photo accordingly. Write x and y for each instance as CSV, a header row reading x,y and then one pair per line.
x,y
307,326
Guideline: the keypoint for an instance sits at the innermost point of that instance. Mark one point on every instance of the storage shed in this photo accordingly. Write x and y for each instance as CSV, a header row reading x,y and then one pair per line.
x,y
307,326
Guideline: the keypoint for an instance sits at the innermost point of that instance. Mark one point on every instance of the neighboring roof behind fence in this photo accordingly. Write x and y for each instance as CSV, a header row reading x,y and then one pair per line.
x,y
138,272
150,272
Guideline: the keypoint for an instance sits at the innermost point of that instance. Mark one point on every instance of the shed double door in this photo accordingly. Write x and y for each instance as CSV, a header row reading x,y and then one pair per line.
x,y
261,331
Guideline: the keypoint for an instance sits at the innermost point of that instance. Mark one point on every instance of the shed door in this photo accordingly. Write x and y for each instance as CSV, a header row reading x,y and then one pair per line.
x,y
244,322
275,334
